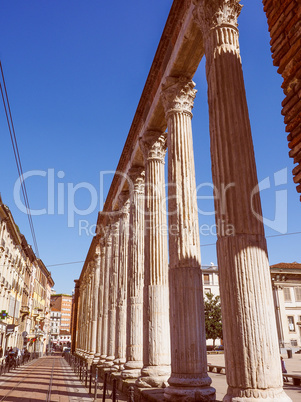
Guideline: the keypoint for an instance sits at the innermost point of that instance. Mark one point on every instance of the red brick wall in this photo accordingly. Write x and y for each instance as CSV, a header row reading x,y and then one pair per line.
x,y
284,20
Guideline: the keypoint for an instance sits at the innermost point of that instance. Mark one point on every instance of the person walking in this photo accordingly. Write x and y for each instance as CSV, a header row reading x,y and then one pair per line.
x,y
283,368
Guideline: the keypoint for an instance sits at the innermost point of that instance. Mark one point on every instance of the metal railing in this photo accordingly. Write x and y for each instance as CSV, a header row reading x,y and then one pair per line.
x,y
90,377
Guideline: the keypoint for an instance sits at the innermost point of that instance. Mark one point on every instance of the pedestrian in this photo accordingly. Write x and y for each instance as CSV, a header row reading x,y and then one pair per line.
x,y
283,368
1,352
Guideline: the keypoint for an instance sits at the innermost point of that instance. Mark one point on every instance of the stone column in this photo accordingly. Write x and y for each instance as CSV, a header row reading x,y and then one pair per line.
x,y
121,308
113,282
156,341
108,262
75,326
134,351
88,312
188,363
100,292
251,347
94,306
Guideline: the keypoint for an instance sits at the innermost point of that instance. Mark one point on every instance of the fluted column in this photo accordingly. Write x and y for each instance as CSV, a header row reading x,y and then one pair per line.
x,y
121,308
134,349
94,302
108,262
75,325
113,283
249,328
100,292
188,362
88,311
156,341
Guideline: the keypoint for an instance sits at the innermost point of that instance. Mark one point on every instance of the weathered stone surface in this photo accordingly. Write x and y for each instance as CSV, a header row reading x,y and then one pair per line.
x,y
156,341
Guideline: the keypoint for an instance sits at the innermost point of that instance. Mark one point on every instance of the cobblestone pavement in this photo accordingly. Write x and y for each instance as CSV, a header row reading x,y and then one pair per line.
x,y
47,379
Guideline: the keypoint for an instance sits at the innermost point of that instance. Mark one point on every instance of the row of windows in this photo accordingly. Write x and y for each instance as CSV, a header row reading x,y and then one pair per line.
x,y
291,323
288,294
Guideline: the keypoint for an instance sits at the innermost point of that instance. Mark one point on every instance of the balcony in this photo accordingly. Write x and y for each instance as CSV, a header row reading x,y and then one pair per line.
x,y
24,310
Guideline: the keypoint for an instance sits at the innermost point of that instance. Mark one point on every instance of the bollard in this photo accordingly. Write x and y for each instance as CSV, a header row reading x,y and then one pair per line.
x,y
114,390
131,394
104,388
86,375
96,384
90,380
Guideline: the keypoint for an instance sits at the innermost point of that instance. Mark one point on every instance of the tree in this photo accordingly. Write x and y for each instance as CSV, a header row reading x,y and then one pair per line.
x,y
213,317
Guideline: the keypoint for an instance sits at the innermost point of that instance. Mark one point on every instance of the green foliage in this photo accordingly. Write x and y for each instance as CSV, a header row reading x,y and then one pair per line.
x,y
213,317
3,315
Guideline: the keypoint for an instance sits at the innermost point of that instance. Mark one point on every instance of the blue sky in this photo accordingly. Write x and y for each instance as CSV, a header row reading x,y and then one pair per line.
x,y
75,71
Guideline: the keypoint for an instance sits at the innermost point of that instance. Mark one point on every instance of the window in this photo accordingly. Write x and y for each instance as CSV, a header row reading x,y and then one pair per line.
x,y
287,294
206,279
297,294
291,323
294,342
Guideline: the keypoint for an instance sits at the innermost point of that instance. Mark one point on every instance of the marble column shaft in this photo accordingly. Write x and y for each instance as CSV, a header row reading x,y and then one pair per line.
x,y
121,308
94,299
113,283
156,343
100,292
251,347
108,262
134,349
188,361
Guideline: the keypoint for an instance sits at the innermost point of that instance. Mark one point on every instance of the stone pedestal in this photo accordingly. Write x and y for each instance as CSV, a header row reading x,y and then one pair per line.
x,y
251,347
188,341
156,342
134,363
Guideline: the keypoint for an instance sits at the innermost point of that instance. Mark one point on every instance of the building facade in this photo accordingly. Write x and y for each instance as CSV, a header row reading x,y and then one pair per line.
x,y
25,285
286,280
61,314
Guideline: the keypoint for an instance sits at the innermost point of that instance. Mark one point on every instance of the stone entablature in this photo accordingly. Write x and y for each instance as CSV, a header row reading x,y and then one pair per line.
x,y
164,296
284,20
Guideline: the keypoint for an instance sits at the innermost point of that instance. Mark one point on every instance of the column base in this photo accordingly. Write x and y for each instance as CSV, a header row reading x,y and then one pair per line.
x,y
96,358
189,394
258,395
154,377
132,369
109,362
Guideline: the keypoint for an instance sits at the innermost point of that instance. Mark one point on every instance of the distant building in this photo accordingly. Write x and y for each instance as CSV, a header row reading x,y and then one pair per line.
x,y
286,280
25,285
60,325
286,284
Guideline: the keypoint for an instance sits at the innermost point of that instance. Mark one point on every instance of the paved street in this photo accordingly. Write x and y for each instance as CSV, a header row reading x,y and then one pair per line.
x,y
47,379
51,379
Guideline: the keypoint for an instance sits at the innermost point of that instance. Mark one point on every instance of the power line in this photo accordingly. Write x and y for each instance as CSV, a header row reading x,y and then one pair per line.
x,y
65,263
17,157
204,245
279,235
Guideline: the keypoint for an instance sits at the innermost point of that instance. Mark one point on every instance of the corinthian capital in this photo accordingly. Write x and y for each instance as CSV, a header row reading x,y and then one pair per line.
x,y
153,145
137,175
124,202
211,14
178,95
